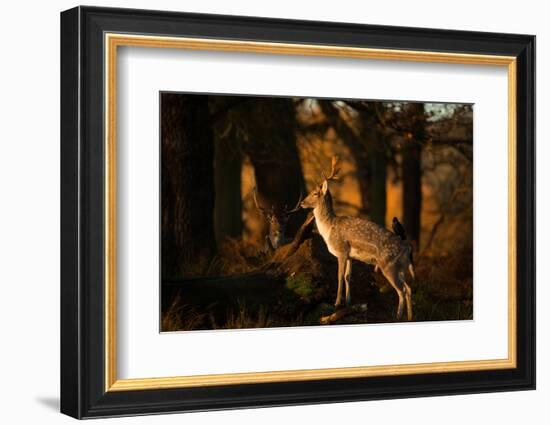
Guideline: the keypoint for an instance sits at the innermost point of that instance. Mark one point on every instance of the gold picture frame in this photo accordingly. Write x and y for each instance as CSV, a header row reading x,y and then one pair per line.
x,y
114,41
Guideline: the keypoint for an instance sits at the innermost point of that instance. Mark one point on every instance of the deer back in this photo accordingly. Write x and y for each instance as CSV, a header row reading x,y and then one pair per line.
x,y
368,241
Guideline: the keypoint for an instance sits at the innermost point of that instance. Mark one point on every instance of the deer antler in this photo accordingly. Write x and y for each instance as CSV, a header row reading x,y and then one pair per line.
x,y
297,207
334,171
262,209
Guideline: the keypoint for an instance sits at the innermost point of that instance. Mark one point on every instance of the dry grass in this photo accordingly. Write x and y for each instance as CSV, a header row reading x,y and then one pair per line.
x,y
181,317
239,256
244,319
444,287
443,290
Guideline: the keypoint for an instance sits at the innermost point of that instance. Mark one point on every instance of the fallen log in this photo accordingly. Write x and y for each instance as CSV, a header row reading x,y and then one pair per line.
x,y
223,291
342,312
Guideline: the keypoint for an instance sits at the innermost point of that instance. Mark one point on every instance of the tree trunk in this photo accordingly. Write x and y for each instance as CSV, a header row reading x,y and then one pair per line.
x,y
227,176
368,151
377,163
357,148
271,146
412,173
378,175
187,184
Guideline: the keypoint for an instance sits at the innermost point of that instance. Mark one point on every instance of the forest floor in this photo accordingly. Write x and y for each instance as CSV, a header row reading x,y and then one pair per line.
x,y
246,288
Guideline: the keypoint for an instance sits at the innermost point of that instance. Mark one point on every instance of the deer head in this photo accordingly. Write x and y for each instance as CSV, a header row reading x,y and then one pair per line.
x,y
277,220
320,193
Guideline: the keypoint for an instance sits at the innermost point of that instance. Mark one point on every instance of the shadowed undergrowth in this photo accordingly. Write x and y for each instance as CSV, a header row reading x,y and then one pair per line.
x,y
300,290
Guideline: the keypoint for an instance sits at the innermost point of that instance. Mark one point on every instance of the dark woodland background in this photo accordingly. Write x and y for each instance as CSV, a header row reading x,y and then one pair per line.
x,y
410,160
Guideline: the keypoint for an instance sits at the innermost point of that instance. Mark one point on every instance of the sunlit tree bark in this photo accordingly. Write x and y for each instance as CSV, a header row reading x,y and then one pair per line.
x,y
366,144
270,132
357,147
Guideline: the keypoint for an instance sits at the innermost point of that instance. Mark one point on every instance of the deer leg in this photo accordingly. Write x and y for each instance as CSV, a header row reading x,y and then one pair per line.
x,y
394,281
341,270
408,300
400,305
347,279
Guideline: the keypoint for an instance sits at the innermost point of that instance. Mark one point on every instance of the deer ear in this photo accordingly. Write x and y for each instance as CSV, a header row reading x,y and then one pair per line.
x,y
324,188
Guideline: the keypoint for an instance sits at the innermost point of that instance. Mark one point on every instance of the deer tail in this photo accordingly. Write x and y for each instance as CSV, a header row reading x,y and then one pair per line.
x,y
411,270
411,264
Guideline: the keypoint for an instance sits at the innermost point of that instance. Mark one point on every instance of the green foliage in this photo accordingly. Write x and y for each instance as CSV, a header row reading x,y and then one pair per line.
x,y
305,287
301,285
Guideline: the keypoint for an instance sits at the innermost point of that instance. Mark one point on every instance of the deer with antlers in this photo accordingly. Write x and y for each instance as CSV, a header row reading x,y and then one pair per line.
x,y
277,220
353,238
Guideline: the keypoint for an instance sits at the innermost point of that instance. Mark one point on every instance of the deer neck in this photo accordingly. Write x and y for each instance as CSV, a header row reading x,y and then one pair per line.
x,y
324,215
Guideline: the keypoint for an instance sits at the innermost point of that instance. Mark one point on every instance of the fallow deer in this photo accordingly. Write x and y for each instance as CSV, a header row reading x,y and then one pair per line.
x,y
354,238
277,220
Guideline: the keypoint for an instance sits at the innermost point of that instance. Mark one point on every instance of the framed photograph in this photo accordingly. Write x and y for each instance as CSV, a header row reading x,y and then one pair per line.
x,y
260,212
